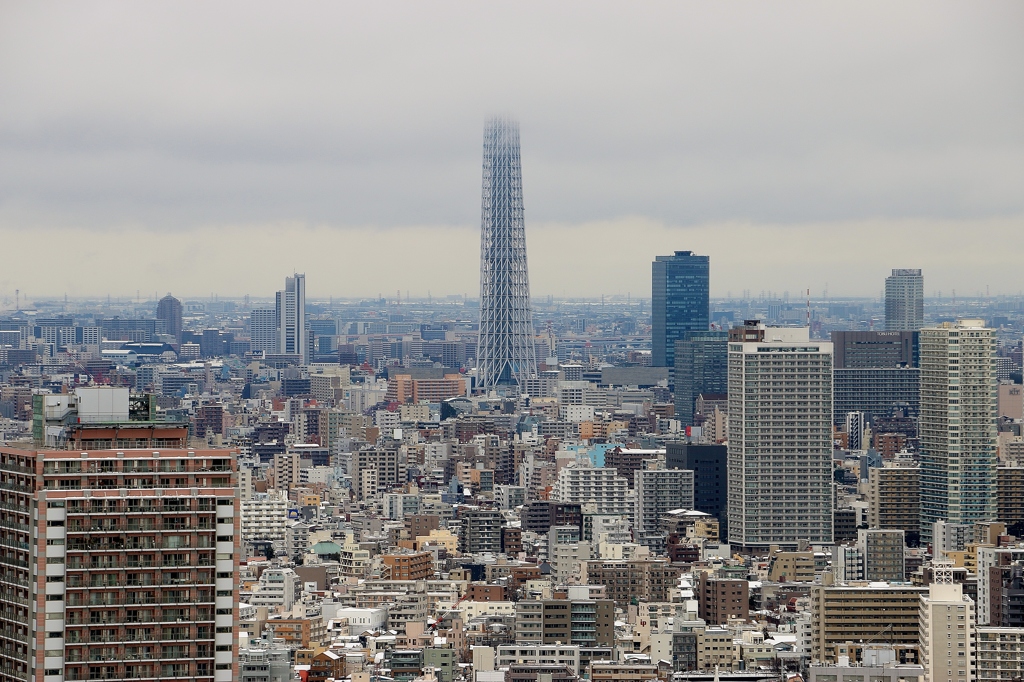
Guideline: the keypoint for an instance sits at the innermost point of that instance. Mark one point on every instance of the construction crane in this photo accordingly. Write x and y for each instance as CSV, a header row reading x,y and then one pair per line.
x,y
448,612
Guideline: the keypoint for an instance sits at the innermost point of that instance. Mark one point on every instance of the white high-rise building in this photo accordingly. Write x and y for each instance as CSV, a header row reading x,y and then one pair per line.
x,y
904,300
292,336
658,491
602,487
947,629
780,437
263,330
958,425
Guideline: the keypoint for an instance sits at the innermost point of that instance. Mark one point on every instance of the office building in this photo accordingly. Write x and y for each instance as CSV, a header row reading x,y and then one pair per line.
x,y
480,531
862,613
169,310
679,302
882,554
894,496
505,350
780,437
263,330
119,565
292,334
864,350
701,367
958,425
904,301
710,476
876,392
947,629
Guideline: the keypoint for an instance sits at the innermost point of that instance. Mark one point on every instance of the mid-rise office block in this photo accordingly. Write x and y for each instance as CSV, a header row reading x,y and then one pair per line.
x,y
780,437
119,565
263,330
868,350
680,302
480,531
894,496
701,367
883,554
958,425
904,300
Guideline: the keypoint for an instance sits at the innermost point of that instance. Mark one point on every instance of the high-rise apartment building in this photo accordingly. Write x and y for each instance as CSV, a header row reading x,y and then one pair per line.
x,y
169,310
505,349
894,496
263,330
780,437
292,335
118,565
679,302
603,488
659,491
701,367
947,629
904,300
958,425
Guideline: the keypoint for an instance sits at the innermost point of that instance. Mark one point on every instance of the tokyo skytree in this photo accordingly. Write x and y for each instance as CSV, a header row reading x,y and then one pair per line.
x,y
505,352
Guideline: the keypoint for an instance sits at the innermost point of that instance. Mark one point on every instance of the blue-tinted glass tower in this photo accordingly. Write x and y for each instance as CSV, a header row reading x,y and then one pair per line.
x,y
679,293
702,366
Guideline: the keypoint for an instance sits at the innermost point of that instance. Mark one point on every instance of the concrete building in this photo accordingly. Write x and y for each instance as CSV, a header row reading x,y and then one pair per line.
x,y
583,622
265,517
377,468
411,566
999,654
720,599
292,333
263,330
701,367
958,425
601,487
780,440
113,551
882,552
947,630
277,587
894,496
659,491
628,579
1010,494
480,531
904,300
863,613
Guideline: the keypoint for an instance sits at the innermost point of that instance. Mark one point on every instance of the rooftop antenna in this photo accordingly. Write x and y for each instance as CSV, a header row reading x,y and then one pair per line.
x,y
17,299
808,310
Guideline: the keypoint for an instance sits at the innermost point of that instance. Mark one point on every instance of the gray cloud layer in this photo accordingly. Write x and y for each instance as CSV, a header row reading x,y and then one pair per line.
x,y
180,116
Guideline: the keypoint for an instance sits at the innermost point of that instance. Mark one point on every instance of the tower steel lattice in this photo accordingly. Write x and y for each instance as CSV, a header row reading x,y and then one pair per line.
x,y
505,350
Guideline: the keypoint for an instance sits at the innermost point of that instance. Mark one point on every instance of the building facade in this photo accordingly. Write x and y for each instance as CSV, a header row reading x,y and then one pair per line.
x,y
904,300
958,425
679,302
701,367
780,437
119,564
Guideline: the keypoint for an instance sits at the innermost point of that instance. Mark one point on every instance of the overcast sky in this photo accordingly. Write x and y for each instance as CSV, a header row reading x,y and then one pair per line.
x,y
216,147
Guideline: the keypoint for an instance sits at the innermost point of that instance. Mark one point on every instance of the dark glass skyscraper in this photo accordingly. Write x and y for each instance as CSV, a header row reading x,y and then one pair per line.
x,y
169,310
679,298
702,366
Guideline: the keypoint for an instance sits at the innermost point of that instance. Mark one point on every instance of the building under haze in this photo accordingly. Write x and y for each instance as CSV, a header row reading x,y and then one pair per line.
x,y
904,300
263,330
169,310
958,425
700,368
679,302
505,350
292,335
780,437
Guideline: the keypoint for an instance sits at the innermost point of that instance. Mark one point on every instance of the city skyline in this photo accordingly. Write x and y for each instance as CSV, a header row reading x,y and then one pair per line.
x,y
817,166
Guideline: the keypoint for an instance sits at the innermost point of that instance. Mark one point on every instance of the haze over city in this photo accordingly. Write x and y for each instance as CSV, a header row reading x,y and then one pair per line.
x,y
799,145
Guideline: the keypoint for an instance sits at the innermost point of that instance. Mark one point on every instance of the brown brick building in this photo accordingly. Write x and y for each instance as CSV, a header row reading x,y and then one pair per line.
x,y
626,580
719,599
416,566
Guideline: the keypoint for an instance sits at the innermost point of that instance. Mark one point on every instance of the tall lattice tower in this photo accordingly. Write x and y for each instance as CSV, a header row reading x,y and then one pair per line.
x,y
505,353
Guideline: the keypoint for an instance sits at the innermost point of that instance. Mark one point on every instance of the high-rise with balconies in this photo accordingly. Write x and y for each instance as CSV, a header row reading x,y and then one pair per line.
x,y
780,437
118,564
